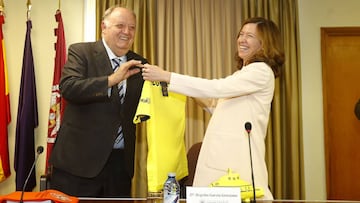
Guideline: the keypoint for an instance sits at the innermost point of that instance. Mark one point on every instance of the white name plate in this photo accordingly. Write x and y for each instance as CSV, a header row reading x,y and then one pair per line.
x,y
213,195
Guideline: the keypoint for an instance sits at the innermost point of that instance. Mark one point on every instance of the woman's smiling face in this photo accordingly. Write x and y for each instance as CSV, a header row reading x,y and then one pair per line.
x,y
248,42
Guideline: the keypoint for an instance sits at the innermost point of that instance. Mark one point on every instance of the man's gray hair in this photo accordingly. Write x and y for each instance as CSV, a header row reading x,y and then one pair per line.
x,y
111,9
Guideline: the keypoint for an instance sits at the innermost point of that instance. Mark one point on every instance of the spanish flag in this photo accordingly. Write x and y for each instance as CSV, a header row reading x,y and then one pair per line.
x,y
5,116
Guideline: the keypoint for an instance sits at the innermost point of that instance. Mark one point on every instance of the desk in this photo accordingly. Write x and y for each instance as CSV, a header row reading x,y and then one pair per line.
x,y
45,196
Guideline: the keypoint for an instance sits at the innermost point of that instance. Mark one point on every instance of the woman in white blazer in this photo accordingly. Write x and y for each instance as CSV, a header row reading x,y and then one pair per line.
x,y
244,96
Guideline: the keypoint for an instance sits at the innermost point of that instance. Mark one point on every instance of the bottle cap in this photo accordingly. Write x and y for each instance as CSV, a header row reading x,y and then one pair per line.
x,y
171,174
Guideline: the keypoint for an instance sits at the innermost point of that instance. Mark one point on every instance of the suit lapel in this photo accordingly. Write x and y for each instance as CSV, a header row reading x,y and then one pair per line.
x,y
101,58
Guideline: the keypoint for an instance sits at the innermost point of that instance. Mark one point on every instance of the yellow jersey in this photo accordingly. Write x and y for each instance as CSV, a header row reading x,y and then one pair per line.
x,y
164,113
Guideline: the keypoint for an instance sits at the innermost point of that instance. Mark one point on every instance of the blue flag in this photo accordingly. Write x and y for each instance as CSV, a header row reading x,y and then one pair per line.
x,y
27,119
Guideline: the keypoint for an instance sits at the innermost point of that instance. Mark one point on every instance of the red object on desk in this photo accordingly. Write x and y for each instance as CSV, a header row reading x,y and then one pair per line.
x,y
53,195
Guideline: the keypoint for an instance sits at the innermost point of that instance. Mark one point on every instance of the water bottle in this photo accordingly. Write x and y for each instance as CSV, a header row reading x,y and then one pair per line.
x,y
171,189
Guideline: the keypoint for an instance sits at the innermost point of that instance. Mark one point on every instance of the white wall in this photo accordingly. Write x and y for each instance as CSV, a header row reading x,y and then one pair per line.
x,y
314,14
43,39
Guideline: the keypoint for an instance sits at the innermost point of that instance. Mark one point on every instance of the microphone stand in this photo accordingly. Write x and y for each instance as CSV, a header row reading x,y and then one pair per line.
x,y
248,130
39,150
252,173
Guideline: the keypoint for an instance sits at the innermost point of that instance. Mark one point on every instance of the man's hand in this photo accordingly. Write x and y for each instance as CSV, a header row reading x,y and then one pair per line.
x,y
123,72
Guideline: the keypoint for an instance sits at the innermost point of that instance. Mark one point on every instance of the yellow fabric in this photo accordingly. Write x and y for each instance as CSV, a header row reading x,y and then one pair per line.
x,y
2,174
165,123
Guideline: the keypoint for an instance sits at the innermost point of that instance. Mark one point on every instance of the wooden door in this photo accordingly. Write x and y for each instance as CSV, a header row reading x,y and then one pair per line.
x,y
341,90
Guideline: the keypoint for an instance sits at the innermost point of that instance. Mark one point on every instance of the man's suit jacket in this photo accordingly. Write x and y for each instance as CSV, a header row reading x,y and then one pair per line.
x,y
92,118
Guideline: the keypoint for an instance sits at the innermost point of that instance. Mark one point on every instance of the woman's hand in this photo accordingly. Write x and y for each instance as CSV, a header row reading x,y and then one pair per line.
x,y
155,73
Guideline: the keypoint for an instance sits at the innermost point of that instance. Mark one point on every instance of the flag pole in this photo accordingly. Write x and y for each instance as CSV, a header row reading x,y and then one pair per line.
x,y
28,5
1,7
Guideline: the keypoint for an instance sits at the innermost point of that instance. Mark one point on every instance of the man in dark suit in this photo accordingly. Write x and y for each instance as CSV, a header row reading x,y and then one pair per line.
x,y
93,155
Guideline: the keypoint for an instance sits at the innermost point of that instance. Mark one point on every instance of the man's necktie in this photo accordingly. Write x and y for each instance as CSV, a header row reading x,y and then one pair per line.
x,y
119,141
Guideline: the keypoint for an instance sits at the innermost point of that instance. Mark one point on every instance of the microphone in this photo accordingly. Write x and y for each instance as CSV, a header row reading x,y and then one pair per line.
x,y
248,130
248,127
39,150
